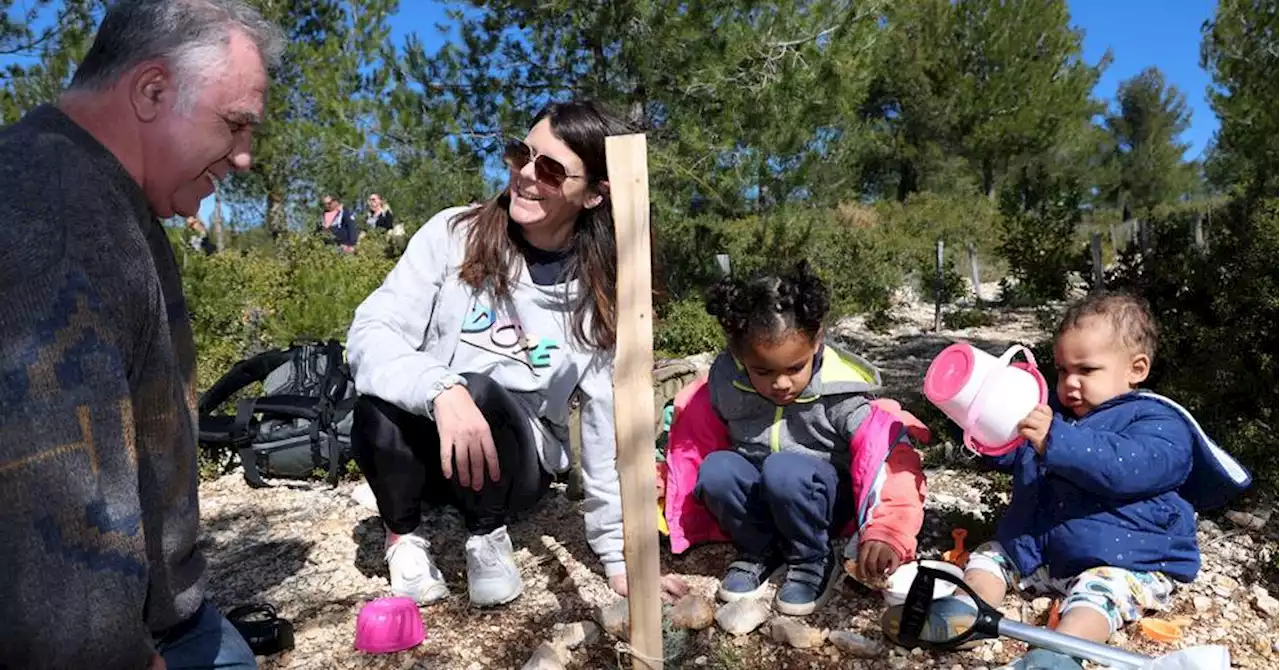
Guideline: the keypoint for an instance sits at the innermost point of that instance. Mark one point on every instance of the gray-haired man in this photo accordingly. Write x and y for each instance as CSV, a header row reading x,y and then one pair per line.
x,y
98,513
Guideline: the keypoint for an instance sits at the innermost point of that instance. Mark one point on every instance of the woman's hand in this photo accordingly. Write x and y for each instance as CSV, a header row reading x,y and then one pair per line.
x,y
673,586
464,436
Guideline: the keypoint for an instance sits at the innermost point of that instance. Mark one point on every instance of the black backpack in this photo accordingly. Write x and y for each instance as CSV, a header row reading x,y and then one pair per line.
x,y
301,422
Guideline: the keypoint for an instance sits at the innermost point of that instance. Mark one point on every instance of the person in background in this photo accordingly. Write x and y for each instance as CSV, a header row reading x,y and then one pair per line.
x,y
199,239
99,518
380,216
340,223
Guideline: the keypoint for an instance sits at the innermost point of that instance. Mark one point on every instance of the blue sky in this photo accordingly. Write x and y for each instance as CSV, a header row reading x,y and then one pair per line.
x,y
1142,33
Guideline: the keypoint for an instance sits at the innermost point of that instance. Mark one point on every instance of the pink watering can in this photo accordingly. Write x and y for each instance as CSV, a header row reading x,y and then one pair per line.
x,y
985,395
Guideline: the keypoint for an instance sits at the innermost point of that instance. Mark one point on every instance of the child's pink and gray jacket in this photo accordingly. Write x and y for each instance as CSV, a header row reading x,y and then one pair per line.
x,y
834,412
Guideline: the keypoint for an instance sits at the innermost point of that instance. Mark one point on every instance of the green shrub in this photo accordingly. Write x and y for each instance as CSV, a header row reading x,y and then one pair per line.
x,y
960,319
245,301
685,328
1039,218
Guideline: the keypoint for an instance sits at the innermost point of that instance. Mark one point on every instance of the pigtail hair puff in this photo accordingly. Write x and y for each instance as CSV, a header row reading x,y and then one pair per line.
x,y
769,307
812,298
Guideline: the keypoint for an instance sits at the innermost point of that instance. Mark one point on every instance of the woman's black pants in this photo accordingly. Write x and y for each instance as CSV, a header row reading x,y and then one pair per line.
x,y
399,454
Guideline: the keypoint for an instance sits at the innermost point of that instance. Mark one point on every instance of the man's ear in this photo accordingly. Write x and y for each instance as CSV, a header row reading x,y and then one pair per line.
x,y
151,89
1139,368
601,192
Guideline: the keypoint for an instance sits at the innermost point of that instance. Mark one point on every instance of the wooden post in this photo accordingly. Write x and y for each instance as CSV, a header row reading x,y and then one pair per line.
x,y
1115,242
937,291
1198,231
973,273
1095,249
627,160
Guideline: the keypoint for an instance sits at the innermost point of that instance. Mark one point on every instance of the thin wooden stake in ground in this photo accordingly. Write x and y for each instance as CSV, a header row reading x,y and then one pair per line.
x,y
633,394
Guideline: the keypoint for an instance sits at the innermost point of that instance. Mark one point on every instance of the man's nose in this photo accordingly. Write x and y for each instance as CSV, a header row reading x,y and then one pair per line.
x,y
241,157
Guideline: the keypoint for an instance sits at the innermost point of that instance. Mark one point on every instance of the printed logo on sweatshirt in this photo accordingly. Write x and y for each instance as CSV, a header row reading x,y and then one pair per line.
x,y
505,336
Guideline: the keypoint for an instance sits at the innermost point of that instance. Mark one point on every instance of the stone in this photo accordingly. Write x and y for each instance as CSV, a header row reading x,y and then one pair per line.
x,y
1224,585
693,612
1041,605
547,656
1246,520
742,617
616,619
856,645
576,634
796,633
1265,603
700,661
1202,603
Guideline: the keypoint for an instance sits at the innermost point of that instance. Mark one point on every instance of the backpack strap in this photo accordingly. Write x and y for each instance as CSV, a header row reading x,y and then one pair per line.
x,y
248,457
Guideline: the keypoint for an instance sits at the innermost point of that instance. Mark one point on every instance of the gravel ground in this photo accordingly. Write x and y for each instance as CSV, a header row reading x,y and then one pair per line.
x,y
316,555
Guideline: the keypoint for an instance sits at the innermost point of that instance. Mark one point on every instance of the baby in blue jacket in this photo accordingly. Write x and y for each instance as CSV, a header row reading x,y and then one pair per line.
x,y
1105,489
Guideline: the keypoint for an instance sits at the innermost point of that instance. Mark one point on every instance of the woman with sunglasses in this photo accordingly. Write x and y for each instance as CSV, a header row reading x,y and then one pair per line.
x,y
467,355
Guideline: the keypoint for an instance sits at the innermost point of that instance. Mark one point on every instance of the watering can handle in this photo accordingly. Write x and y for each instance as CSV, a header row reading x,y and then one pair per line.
x,y
979,398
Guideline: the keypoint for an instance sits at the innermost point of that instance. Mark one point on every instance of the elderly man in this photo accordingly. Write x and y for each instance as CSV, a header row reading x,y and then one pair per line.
x,y
98,513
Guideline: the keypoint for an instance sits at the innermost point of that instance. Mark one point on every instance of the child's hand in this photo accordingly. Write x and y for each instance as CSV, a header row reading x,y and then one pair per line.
x,y
674,587
876,561
1035,428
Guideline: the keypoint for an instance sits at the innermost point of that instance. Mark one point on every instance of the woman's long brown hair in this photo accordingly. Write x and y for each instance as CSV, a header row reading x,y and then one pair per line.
x,y
493,256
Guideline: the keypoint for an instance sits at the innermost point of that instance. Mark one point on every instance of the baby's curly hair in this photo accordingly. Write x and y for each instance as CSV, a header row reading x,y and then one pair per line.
x,y
1130,317
767,308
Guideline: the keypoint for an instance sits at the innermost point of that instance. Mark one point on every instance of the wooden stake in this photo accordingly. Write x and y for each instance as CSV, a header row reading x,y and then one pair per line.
x,y
626,156
1095,254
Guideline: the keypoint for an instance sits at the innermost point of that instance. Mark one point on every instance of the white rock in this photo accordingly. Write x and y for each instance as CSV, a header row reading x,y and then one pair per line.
x,y
796,633
576,634
693,612
616,619
742,617
1202,603
1264,603
851,643
1224,585
547,656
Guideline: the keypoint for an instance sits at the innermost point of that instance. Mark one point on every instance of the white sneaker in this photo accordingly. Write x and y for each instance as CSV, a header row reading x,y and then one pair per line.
x,y
492,575
413,573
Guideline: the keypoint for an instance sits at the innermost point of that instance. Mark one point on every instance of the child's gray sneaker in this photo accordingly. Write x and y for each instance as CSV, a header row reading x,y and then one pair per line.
x,y
747,577
808,586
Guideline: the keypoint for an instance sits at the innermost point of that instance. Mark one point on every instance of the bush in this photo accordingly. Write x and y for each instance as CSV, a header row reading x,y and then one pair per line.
x,y
1039,218
1218,331
961,319
685,329
245,301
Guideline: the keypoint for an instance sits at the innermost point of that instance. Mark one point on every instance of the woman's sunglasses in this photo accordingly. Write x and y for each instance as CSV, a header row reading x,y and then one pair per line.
x,y
546,169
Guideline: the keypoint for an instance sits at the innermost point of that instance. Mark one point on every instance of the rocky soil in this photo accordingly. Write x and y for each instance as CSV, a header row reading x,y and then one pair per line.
x,y
316,555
